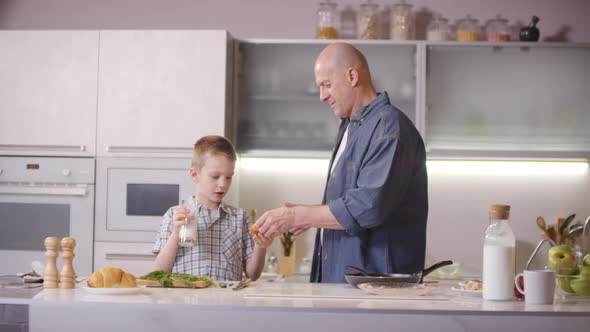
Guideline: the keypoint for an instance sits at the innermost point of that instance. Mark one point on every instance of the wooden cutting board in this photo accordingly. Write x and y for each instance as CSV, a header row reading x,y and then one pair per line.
x,y
175,284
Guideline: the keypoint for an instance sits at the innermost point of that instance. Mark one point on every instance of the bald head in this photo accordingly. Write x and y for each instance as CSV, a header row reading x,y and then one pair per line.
x,y
341,56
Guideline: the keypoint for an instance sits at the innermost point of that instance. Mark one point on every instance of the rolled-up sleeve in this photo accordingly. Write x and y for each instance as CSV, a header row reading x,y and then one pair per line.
x,y
363,205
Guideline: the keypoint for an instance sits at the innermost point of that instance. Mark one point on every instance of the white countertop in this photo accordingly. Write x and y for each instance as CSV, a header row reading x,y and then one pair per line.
x,y
302,305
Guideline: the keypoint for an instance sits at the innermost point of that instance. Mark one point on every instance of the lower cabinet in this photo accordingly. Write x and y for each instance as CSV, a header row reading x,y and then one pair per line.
x,y
132,257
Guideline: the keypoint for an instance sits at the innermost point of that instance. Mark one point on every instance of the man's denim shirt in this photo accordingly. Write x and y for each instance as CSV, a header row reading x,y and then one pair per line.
x,y
378,193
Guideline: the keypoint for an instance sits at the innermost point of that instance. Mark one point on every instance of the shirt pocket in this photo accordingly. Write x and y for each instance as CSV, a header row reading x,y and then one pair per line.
x,y
232,246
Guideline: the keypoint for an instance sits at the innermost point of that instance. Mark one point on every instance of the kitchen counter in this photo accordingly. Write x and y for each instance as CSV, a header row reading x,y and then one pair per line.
x,y
268,306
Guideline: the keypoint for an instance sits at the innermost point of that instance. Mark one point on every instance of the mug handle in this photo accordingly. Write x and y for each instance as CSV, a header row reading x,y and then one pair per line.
x,y
517,284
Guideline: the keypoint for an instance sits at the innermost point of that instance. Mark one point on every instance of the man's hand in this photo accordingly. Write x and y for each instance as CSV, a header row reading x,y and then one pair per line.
x,y
276,222
297,229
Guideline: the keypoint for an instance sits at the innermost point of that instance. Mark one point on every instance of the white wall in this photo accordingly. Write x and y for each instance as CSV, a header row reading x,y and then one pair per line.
x,y
274,19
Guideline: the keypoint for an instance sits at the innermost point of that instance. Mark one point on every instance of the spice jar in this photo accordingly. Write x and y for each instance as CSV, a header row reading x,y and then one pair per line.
x,y
467,30
402,22
438,29
368,21
327,21
497,30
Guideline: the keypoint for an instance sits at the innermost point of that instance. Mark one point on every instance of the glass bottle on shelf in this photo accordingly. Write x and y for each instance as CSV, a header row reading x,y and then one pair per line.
x,y
497,30
438,29
368,21
402,22
467,30
327,21
498,256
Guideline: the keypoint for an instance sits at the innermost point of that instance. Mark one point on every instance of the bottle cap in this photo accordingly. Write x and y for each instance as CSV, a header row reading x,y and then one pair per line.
x,y
499,211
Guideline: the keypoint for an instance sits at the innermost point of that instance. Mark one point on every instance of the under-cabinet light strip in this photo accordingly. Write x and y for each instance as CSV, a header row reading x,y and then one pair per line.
x,y
452,167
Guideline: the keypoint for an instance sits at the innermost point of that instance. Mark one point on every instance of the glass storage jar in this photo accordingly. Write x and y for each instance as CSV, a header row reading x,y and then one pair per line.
x,y
368,21
467,30
497,30
402,22
438,29
327,21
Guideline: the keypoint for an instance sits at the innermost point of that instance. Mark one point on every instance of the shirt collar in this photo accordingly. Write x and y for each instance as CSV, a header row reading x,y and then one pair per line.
x,y
222,206
361,114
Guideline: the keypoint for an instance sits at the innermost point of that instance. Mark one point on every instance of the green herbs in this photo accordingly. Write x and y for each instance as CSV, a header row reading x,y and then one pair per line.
x,y
166,278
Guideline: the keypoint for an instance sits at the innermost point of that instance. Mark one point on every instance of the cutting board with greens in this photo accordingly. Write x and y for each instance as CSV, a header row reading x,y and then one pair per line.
x,y
174,280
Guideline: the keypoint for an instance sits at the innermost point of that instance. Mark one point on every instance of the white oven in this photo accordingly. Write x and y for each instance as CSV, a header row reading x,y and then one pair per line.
x,y
132,195
41,197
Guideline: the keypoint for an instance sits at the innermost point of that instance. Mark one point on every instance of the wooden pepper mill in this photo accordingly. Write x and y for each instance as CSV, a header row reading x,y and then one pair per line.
x,y
67,276
50,279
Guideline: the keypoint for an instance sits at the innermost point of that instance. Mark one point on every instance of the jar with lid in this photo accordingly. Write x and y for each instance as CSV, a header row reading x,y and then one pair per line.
x,y
498,256
327,25
467,30
368,21
497,30
438,29
402,22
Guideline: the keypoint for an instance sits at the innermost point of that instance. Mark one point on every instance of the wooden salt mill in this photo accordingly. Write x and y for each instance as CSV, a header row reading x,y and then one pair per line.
x,y
50,279
67,276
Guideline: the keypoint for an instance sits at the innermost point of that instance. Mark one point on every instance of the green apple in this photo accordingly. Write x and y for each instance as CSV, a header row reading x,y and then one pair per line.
x,y
581,286
562,259
584,272
586,260
564,284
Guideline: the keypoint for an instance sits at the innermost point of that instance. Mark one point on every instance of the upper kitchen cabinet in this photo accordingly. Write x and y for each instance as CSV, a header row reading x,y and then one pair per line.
x,y
279,112
159,91
508,100
48,92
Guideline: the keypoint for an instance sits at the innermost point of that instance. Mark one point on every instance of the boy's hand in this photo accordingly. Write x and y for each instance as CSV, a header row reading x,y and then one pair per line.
x,y
262,241
179,218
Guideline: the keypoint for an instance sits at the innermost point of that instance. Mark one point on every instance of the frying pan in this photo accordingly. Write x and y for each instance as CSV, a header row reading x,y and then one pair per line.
x,y
394,279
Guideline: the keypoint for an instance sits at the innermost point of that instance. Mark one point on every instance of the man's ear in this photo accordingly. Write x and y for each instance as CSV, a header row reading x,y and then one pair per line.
x,y
352,75
194,173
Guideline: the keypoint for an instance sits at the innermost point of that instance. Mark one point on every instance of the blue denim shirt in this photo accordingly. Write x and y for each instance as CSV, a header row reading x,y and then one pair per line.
x,y
378,193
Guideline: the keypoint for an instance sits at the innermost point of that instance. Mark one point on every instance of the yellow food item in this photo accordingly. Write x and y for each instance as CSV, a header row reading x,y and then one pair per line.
x,y
254,229
327,33
111,277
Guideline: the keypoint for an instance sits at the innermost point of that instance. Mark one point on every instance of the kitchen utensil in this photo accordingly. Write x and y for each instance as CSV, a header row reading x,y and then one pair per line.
x,y
563,227
242,284
414,278
586,236
530,33
543,226
552,233
528,263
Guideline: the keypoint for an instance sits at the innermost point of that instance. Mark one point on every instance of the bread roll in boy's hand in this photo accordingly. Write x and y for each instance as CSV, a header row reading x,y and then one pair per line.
x,y
111,277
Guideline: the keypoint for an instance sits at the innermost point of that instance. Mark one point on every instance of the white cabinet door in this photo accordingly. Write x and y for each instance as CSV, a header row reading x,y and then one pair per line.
x,y
159,91
48,92
135,258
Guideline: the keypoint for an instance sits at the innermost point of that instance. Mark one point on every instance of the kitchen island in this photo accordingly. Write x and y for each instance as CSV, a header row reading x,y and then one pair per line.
x,y
279,306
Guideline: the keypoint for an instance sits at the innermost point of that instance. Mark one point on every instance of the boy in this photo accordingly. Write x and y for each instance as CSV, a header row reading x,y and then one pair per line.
x,y
224,246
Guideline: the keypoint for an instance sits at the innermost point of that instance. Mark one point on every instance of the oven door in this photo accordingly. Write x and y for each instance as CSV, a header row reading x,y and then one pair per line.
x,y
132,195
30,212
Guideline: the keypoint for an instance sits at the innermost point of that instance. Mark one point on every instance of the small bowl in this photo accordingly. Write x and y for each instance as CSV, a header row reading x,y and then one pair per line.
x,y
452,271
573,284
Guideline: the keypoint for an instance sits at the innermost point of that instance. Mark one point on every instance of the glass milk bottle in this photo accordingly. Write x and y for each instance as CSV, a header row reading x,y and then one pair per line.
x,y
499,256
188,231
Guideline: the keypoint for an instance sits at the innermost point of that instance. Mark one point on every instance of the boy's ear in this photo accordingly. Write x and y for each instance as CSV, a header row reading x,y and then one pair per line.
x,y
194,173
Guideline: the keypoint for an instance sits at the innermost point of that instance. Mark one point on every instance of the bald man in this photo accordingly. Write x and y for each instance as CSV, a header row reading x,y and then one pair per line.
x,y
375,204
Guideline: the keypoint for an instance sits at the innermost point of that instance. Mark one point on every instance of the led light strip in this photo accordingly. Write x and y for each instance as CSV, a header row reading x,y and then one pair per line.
x,y
452,167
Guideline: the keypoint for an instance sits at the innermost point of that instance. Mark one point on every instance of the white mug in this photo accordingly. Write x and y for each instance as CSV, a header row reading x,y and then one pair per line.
x,y
539,286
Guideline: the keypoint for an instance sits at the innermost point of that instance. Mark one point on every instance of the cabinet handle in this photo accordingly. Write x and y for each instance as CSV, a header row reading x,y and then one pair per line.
x,y
126,257
25,147
157,149
45,191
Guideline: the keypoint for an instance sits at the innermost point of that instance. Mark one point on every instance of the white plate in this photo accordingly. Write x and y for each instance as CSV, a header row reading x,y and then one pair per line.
x,y
110,291
466,291
418,290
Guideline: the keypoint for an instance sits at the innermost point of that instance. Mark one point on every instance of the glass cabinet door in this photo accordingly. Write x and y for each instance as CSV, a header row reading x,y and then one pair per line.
x,y
512,101
279,108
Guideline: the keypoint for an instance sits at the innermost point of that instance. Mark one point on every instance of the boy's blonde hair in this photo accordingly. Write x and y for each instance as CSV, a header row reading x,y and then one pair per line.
x,y
212,145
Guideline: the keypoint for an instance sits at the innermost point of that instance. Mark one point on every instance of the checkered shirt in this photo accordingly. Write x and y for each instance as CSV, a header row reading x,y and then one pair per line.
x,y
224,242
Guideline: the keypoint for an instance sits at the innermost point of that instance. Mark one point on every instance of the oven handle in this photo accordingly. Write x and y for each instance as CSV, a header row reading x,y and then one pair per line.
x,y
146,149
125,257
27,147
47,191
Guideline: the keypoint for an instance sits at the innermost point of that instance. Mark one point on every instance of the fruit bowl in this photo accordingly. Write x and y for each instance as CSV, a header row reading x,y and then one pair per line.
x,y
573,284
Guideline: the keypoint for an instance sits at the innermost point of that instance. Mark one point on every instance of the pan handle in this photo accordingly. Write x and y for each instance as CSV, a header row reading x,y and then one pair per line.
x,y
428,270
358,269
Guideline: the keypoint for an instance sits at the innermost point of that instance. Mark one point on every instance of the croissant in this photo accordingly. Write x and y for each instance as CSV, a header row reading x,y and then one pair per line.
x,y
111,277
